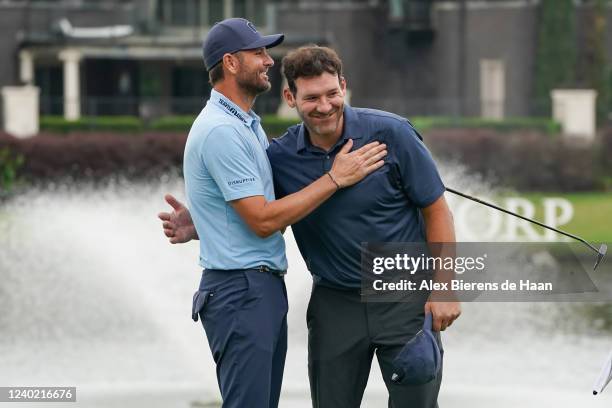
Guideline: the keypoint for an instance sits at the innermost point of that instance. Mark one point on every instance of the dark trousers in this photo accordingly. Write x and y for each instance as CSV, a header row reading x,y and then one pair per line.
x,y
244,314
344,333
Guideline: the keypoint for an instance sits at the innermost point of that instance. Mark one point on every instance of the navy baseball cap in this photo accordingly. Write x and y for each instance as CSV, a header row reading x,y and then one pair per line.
x,y
233,35
420,359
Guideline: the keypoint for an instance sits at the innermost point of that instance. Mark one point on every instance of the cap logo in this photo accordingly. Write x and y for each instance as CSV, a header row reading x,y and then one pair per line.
x,y
251,26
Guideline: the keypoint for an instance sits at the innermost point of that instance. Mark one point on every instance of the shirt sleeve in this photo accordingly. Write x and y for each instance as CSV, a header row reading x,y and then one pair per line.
x,y
273,156
419,176
231,162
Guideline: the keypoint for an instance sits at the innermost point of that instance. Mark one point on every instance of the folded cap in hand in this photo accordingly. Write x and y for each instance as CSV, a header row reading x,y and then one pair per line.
x,y
420,359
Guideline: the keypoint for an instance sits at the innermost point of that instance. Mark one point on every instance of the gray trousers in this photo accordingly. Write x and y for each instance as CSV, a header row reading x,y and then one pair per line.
x,y
344,333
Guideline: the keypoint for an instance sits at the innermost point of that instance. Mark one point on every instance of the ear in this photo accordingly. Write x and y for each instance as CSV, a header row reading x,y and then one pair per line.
x,y
343,85
289,98
231,63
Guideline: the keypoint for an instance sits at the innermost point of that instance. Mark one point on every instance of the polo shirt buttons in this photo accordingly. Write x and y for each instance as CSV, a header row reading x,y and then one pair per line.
x,y
326,163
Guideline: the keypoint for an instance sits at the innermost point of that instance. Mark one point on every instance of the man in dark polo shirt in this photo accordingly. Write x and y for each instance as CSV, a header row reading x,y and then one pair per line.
x,y
401,202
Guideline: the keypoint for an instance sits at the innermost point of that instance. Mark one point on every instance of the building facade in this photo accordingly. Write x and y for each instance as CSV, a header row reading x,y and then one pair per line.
x,y
143,57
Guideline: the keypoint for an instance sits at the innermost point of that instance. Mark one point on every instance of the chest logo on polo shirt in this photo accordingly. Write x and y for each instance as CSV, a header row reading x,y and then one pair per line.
x,y
231,110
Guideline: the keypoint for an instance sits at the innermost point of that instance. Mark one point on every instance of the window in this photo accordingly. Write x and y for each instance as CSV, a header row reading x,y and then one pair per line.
x,y
190,13
240,8
215,11
189,88
258,12
50,80
254,10
181,13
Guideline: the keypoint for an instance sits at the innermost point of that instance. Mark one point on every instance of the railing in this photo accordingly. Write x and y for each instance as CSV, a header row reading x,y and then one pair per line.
x,y
41,17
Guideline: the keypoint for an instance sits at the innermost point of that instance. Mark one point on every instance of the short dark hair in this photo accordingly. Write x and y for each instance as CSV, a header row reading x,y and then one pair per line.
x,y
215,74
310,61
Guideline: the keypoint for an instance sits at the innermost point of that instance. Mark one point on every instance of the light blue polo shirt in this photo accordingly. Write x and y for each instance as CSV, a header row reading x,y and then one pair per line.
x,y
225,159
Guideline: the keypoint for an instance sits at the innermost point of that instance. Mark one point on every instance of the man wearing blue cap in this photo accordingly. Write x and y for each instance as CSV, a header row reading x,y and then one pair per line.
x,y
401,202
228,181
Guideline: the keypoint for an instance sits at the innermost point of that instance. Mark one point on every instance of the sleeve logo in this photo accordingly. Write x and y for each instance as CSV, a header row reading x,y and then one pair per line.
x,y
241,181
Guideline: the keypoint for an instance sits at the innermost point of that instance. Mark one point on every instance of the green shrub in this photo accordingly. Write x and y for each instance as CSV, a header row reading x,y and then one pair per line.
x,y
9,165
173,123
555,62
272,124
545,125
275,126
58,124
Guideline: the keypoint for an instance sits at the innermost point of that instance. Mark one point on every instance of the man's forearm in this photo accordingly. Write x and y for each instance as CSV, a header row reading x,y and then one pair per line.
x,y
443,305
439,225
267,217
292,208
442,246
440,232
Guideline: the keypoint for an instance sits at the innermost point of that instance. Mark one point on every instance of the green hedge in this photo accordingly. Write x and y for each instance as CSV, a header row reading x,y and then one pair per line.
x,y
273,125
276,126
9,166
545,125
173,123
98,123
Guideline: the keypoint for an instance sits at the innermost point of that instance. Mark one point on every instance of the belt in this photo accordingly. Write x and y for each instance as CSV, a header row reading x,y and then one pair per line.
x,y
265,269
261,268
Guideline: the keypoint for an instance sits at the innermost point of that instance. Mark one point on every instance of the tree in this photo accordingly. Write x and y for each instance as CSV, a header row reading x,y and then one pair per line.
x,y
555,58
594,72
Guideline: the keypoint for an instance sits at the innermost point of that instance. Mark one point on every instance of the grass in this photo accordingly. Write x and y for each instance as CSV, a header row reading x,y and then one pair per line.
x,y
592,218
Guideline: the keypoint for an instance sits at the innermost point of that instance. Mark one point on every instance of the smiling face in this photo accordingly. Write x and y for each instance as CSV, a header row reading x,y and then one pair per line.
x,y
252,72
319,102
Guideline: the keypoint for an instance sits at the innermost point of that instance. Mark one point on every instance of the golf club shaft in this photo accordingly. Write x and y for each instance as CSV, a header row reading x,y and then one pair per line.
x,y
567,234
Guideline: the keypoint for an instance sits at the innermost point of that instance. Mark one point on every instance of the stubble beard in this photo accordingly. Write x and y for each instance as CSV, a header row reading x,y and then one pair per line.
x,y
317,129
251,84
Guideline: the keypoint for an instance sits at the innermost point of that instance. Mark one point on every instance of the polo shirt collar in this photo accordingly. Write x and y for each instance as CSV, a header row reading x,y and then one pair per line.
x,y
230,108
350,130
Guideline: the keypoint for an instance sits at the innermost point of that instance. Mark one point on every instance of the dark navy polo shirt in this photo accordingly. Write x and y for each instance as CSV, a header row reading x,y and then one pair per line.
x,y
383,207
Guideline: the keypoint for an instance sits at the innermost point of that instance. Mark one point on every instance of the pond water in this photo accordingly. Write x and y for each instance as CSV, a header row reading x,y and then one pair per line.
x,y
92,296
